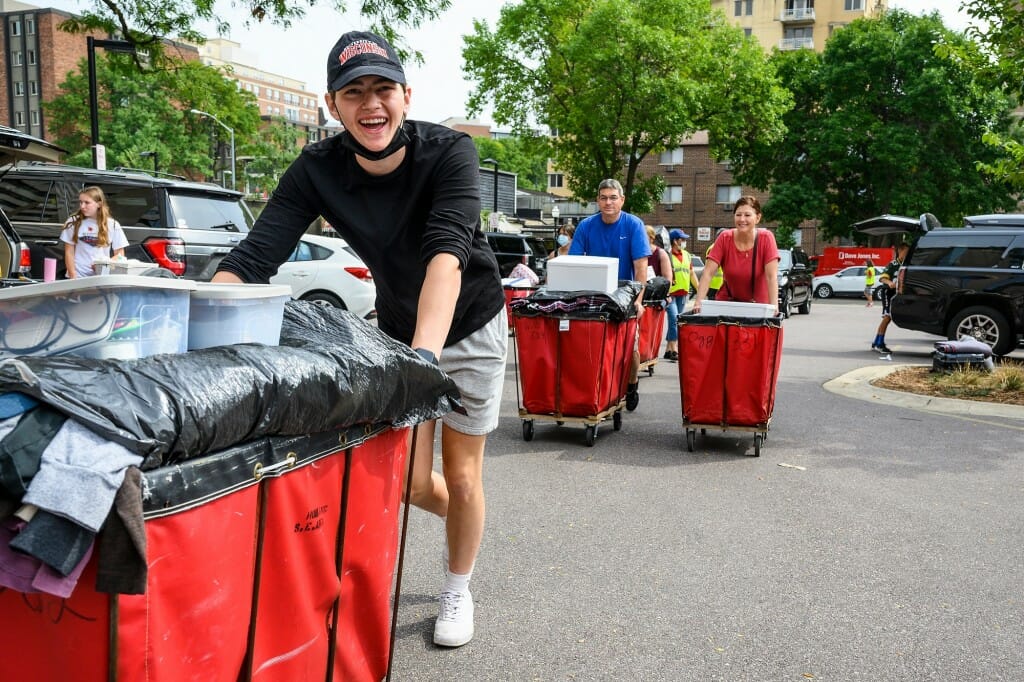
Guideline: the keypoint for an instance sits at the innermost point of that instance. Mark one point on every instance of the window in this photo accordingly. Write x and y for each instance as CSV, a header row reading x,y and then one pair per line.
x,y
852,5
31,57
35,117
727,194
17,58
30,26
19,89
671,157
33,88
19,119
673,194
31,201
15,27
556,180
963,251
744,7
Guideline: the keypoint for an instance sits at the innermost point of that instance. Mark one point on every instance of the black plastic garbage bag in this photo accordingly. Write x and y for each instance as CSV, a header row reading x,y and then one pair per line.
x,y
656,290
332,370
616,306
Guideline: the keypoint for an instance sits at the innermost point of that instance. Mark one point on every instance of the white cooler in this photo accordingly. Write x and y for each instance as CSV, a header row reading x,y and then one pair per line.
x,y
583,273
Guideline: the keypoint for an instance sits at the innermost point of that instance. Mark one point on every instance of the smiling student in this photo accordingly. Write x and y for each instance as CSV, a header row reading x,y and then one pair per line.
x,y
405,195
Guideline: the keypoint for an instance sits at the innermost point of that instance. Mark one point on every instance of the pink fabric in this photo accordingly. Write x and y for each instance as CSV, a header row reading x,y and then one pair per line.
x,y
25,573
736,267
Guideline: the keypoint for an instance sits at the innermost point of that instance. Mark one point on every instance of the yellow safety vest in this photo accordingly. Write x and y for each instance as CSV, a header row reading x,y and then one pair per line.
x,y
719,278
680,272
869,276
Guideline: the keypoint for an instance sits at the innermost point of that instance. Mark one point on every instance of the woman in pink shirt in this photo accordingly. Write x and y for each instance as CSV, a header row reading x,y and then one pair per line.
x,y
749,258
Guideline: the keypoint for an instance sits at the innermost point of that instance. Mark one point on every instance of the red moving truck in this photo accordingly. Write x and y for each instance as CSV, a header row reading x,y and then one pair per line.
x,y
835,258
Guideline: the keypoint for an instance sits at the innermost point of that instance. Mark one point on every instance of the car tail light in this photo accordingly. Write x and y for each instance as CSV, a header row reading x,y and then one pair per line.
x,y
24,259
360,273
167,253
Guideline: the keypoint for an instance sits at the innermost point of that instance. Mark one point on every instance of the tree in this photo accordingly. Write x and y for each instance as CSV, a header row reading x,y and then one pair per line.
x,y
999,29
616,81
269,155
881,124
149,111
525,156
146,23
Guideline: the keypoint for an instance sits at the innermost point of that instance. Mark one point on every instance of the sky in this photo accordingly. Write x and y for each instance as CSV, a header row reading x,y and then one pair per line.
x,y
438,88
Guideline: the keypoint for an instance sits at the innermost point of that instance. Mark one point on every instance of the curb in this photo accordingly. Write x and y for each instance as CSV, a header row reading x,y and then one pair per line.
x,y
857,384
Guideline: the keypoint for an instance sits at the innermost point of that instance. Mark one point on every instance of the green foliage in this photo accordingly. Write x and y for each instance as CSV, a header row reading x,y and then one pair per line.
x,y
149,111
525,156
617,81
262,161
999,29
882,123
145,22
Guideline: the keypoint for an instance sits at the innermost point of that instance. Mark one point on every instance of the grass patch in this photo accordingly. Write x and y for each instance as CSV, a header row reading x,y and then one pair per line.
x,y
1004,385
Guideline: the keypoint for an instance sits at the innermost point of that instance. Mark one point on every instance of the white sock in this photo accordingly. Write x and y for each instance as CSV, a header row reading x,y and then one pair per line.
x,y
457,582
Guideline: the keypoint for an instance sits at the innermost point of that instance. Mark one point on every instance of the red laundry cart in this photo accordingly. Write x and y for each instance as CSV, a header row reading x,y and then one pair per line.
x,y
512,293
728,369
572,369
652,331
270,561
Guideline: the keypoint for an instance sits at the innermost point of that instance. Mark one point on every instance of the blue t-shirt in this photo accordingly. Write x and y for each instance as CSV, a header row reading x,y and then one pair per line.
x,y
625,239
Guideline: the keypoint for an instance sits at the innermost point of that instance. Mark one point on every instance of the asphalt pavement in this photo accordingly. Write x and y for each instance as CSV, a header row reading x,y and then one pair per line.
x,y
877,537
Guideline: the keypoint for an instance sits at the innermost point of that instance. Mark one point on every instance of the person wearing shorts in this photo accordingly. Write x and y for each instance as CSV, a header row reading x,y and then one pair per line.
x,y
405,195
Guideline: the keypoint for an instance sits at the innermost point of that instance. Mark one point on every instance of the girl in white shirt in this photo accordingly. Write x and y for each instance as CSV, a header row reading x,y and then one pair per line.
x,y
91,233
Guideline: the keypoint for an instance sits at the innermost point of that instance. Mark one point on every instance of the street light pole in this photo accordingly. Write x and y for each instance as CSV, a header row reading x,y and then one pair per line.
x,y
90,45
156,160
231,131
495,164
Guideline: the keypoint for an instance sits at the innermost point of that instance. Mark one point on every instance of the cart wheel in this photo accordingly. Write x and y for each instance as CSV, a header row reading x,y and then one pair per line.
x,y
691,436
527,429
617,421
650,371
758,439
590,435
703,432
560,423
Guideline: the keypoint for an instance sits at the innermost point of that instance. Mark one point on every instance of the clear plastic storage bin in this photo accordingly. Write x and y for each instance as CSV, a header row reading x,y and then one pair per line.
x,y
224,314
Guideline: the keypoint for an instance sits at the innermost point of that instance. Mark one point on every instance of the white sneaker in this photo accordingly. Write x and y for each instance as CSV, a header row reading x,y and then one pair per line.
x,y
454,626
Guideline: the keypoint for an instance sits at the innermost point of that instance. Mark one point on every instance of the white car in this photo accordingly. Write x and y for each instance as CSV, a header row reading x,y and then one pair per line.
x,y
847,282
697,266
326,269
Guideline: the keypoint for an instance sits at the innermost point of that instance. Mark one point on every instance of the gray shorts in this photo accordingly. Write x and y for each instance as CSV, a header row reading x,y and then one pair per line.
x,y
477,366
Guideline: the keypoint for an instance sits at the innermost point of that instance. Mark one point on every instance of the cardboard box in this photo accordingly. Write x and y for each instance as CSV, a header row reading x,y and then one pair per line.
x,y
583,273
104,316
225,314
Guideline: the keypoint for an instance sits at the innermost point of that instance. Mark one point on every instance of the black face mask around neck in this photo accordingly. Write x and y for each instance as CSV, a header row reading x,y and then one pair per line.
x,y
400,139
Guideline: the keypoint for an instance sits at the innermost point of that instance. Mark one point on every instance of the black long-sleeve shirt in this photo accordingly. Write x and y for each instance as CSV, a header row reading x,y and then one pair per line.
x,y
396,223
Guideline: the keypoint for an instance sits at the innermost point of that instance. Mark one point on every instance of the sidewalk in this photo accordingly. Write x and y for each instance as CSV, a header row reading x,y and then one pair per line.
x,y
857,384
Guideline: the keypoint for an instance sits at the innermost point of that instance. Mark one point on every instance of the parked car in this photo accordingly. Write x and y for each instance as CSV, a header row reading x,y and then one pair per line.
x,y
795,279
958,282
185,227
15,146
510,248
847,282
697,266
327,269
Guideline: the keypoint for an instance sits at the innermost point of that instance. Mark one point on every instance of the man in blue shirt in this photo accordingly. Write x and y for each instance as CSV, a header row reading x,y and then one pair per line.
x,y
613,233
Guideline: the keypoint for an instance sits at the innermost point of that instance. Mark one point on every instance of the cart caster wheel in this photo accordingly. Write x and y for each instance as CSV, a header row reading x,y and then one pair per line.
x,y
650,371
617,421
690,437
590,435
703,432
758,439
560,423
528,430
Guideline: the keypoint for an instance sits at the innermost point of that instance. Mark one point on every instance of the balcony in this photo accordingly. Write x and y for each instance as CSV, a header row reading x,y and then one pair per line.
x,y
797,14
796,44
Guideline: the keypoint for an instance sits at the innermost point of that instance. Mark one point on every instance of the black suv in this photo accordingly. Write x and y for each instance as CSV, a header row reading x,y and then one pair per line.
x,y
16,146
960,281
795,277
510,248
185,227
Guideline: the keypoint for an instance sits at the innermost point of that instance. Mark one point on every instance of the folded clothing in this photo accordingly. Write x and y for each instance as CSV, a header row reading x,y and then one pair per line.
x,y
965,344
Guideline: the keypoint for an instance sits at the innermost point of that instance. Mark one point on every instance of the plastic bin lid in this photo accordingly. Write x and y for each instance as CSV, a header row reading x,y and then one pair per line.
x,y
70,286
204,290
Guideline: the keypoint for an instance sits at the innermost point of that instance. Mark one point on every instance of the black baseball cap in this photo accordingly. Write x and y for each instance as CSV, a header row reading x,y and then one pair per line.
x,y
361,53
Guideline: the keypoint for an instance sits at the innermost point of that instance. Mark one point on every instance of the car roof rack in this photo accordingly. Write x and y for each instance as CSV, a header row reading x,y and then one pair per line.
x,y
996,220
